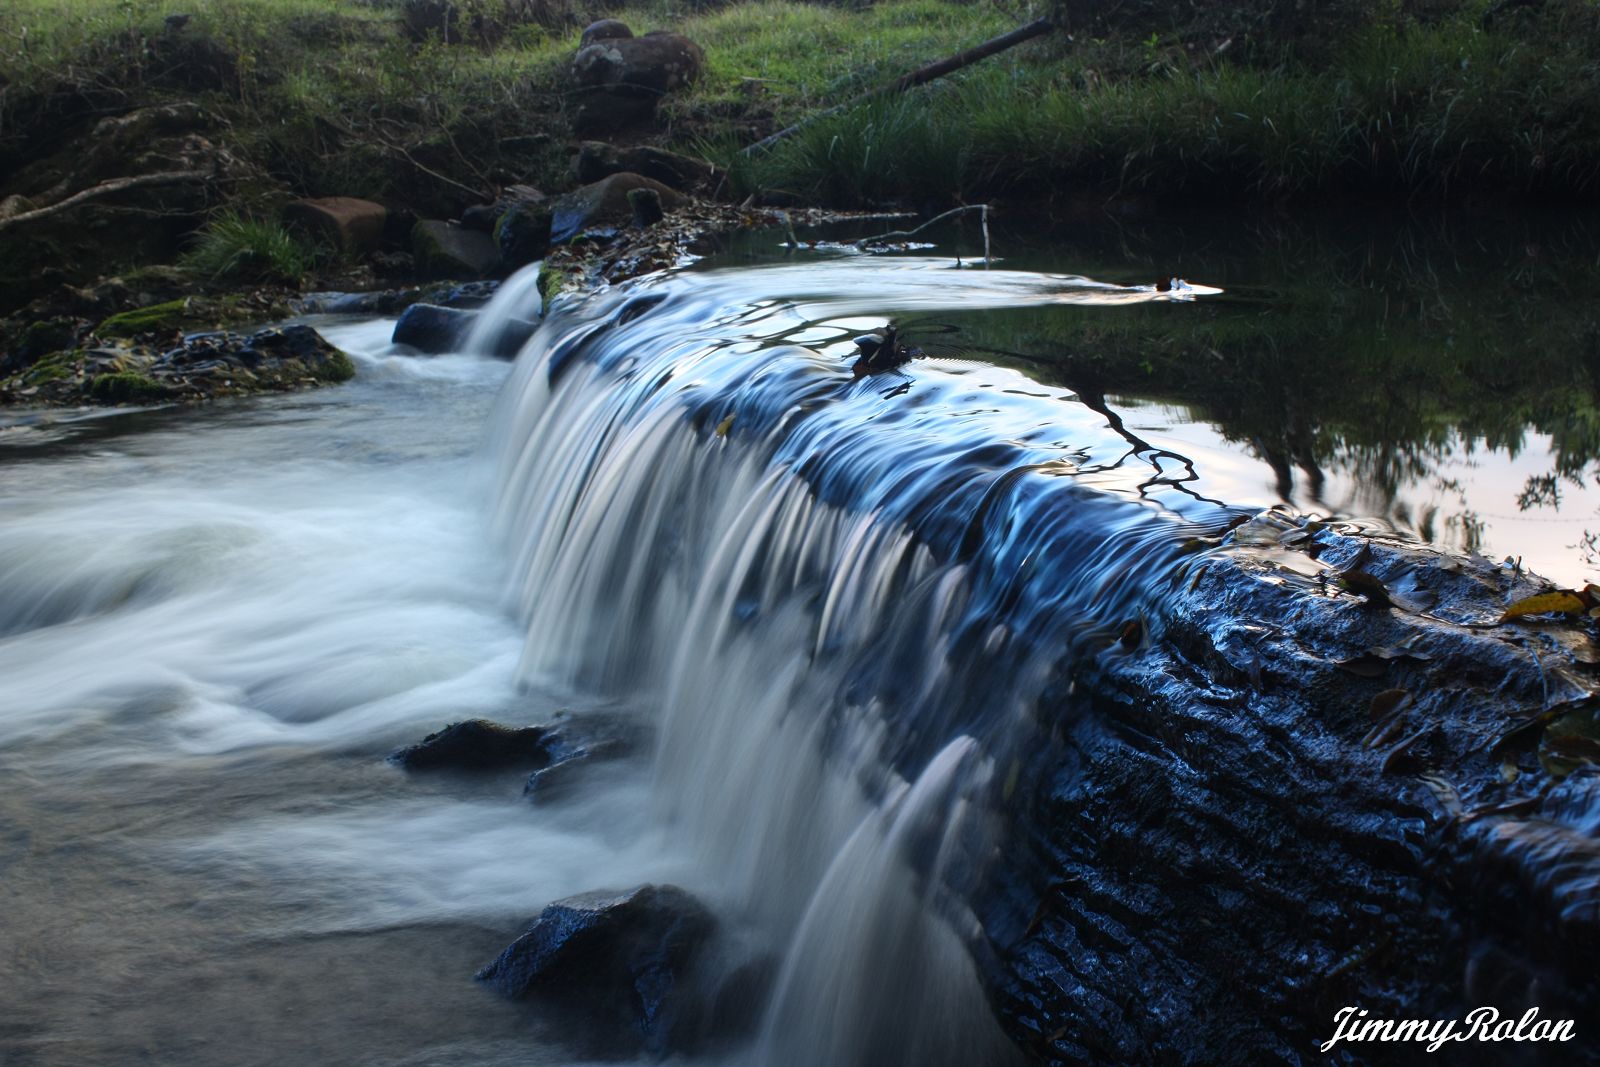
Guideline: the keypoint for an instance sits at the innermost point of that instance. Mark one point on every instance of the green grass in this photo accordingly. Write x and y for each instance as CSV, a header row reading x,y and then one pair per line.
x,y
1398,109
238,248
1404,99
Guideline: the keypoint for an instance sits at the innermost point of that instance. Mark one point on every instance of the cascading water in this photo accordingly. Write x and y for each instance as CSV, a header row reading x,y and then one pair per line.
x,y
834,603
839,601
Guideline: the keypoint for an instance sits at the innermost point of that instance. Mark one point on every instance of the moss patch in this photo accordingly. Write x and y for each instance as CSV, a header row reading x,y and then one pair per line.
x,y
157,318
337,367
125,387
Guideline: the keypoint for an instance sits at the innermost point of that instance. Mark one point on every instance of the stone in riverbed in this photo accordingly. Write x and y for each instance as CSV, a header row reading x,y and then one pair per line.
x,y
569,766
620,959
597,160
351,225
477,745
522,233
431,329
445,250
603,202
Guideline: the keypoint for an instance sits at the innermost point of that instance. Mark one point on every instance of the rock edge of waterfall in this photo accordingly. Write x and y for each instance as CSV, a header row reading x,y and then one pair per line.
x,y
1281,798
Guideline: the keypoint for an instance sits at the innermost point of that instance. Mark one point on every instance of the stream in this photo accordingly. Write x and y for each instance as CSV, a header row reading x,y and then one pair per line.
x,y
827,606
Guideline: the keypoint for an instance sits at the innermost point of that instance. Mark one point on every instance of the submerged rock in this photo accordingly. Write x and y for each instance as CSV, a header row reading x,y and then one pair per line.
x,y
477,745
569,765
622,960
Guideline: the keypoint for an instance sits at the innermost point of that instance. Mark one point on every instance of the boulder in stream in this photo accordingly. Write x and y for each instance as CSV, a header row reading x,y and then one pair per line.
x,y
477,745
622,960
569,765
603,203
445,250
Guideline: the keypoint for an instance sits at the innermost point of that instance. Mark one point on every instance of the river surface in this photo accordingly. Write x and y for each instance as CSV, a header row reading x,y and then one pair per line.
x,y
686,516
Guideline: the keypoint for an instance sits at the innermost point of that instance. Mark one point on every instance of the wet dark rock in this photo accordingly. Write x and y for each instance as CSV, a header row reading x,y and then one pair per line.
x,y
203,366
621,961
378,302
345,222
597,160
522,233
469,294
481,217
432,329
36,340
646,204
445,250
1235,826
601,203
477,745
390,265
276,357
570,764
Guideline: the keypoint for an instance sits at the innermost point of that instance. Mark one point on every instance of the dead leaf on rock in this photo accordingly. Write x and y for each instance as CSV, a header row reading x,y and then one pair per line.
x,y
1561,602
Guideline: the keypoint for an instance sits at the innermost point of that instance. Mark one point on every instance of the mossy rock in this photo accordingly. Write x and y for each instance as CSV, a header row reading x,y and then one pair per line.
x,y
125,387
554,280
21,346
157,318
522,233
445,250
51,368
335,367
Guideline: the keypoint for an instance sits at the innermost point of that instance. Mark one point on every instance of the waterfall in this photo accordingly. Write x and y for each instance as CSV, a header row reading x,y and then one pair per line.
x,y
837,603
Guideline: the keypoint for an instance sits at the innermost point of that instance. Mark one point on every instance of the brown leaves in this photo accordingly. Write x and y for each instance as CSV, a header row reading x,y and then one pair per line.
x,y
1560,602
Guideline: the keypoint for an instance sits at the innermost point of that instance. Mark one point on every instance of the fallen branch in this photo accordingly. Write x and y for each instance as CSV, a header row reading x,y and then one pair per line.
x,y
993,46
983,209
105,188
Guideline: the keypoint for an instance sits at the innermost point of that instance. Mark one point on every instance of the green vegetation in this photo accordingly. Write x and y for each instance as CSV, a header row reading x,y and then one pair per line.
x,y
157,318
1393,106
126,387
243,249
1233,100
336,367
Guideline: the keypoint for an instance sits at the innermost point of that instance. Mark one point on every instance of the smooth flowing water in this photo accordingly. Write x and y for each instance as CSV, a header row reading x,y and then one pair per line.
x,y
830,603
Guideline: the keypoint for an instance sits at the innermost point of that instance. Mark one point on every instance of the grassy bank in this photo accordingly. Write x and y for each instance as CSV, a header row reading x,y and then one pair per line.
x,y
335,96
1252,103
1391,107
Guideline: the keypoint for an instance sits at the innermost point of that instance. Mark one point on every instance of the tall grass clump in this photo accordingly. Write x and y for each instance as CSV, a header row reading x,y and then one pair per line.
x,y
238,248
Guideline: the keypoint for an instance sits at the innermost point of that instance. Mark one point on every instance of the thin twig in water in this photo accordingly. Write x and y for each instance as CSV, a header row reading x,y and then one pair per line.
x,y
985,218
937,218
